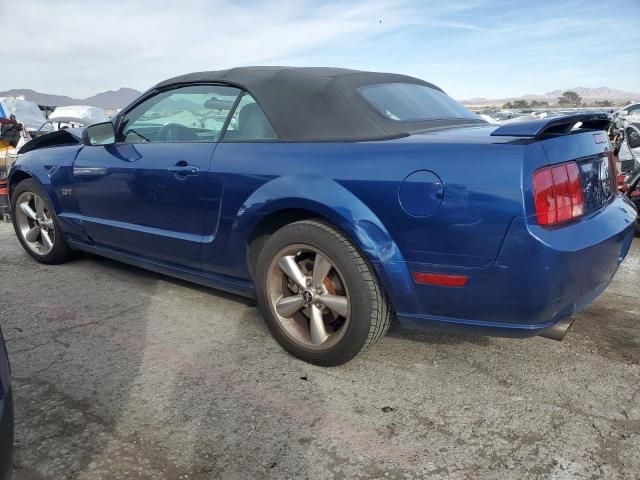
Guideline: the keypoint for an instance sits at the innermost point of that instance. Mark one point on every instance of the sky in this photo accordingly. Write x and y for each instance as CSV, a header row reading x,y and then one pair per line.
x,y
470,48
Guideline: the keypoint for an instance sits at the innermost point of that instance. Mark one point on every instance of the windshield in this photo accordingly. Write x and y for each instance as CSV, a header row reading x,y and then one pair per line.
x,y
408,102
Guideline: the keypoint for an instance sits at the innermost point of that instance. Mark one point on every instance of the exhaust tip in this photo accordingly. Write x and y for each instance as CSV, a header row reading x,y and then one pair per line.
x,y
558,331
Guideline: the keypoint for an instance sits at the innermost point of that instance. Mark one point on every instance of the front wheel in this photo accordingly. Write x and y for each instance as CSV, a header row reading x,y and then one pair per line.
x,y
318,294
36,224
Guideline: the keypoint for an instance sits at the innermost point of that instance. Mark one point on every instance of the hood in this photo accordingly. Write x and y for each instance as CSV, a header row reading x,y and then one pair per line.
x,y
59,138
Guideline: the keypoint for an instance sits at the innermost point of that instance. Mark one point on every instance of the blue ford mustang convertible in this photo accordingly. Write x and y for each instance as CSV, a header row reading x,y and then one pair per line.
x,y
338,199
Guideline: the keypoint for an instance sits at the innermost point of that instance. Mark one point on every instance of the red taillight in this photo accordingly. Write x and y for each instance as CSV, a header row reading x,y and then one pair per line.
x,y
575,187
440,279
558,194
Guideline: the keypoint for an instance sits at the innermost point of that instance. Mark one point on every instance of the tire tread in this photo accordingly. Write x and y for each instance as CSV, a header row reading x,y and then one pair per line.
x,y
382,312
61,251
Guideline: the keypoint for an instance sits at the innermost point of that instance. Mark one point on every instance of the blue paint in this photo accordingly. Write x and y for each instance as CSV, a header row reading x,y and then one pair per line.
x,y
522,278
421,193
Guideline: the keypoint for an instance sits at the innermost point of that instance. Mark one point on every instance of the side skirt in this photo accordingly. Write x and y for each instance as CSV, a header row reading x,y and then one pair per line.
x,y
237,286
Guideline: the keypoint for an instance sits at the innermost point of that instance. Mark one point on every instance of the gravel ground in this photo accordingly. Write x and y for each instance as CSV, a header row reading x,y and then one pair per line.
x,y
124,374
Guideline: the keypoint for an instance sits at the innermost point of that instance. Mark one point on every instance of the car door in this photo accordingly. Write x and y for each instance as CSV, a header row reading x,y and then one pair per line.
x,y
148,194
245,153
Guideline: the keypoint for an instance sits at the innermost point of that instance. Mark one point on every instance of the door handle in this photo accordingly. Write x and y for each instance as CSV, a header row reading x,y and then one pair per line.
x,y
181,169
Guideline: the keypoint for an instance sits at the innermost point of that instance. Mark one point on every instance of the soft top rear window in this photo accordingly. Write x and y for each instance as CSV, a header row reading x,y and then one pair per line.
x,y
409,102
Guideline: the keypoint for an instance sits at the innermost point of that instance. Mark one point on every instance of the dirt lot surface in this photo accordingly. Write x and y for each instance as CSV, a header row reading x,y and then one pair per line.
x,y
124,374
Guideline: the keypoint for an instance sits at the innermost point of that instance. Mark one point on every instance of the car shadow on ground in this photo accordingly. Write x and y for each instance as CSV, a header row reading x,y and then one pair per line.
x,y
128,370
134,374
124,373
435,336
126,269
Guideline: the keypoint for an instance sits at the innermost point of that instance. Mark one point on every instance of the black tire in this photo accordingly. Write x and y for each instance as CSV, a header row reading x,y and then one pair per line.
x,y
60,252
370,312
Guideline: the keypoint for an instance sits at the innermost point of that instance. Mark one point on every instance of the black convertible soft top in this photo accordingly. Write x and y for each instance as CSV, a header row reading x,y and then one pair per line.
x,y
318,103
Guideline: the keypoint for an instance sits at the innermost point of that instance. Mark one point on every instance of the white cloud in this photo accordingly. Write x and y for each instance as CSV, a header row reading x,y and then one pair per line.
x,y
468,47
79,47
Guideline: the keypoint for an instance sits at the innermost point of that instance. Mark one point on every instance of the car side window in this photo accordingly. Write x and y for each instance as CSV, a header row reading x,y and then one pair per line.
x,y
195,113
248,123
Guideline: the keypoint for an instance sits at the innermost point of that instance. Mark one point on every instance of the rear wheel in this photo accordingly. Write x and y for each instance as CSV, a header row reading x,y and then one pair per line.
x,y
36,224
318,295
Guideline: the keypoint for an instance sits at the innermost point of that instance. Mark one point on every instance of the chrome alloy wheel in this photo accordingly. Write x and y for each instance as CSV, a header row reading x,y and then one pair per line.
x,y
309,297
35,223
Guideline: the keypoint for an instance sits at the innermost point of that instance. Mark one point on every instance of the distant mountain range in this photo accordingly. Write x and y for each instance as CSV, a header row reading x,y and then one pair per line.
x,y
114,100
109,100
589,95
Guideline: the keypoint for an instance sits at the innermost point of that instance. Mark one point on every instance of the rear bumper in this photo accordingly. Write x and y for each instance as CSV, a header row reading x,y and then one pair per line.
x,y
539,277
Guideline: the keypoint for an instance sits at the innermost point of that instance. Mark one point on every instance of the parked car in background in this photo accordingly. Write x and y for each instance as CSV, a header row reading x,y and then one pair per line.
x,y
6,415
629,114
76,116
631,110
339,199
629,161
26,113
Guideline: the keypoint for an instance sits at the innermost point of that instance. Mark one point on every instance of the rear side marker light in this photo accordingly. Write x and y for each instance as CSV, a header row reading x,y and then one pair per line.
x,y
440,279
558,194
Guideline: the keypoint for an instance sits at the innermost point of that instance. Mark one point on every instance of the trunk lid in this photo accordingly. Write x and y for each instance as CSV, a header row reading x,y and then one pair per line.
x,y
591,151
580,138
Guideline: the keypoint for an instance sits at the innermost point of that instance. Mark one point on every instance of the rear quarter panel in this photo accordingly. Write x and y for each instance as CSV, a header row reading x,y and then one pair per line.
x,y
360,181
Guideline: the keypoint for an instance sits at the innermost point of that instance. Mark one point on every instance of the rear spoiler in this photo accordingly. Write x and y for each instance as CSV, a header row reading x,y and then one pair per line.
x,y
553,126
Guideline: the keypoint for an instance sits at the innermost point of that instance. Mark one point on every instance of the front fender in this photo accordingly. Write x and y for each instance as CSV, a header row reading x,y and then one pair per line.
x,y
34,165
328,199
51,168
31,166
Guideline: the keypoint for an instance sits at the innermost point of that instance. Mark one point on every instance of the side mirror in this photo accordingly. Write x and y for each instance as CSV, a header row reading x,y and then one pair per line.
x,y
99,134
633,137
